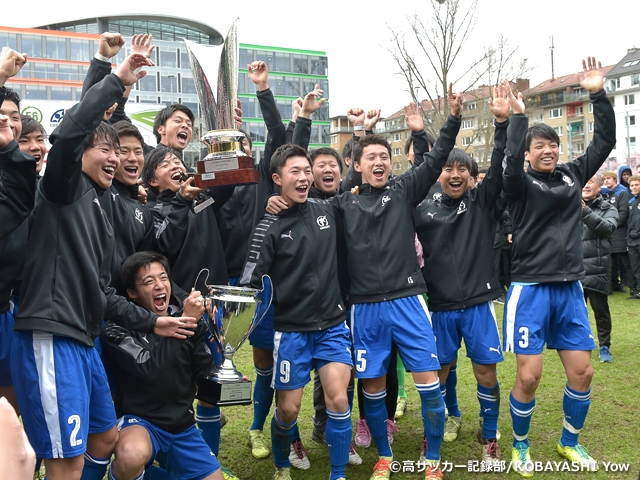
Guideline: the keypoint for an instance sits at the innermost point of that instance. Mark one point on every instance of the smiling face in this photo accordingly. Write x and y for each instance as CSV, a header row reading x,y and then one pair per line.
x,y
454,179
374,165
152,289
609,181
542,154
326,173
131,160
100,162
167,174
33,143
634,186
11,110
591,189
294,179
177,131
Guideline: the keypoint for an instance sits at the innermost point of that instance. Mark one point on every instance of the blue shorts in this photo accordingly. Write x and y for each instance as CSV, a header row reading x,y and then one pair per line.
x,y
187,454
405,322
477,325
7,321
62,392
554,314
296,354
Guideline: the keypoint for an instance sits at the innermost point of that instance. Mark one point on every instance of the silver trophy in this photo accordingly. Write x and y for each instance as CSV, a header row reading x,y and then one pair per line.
x,y
236,313
215,73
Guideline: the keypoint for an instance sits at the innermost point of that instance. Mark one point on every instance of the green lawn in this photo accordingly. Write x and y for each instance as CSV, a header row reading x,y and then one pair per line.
x,y
611,433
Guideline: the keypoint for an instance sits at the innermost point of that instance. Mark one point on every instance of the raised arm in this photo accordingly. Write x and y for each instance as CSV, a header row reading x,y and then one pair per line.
x,y
311,104
513,175
100,66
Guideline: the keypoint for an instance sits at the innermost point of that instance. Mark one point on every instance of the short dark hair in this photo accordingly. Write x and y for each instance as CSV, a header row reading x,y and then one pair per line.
x,y
104,132
164,115
541,130
326,151
11,95
248,139
153,159
127,129
365,142
347,150
430,138
285,152
30,125
132,265
460,157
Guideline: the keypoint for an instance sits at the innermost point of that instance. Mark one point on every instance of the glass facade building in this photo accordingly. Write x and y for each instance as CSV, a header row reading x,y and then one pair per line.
x,y
59,56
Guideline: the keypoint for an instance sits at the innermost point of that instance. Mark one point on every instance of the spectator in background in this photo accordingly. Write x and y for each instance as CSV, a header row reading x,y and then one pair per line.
x,y
599,220
633,232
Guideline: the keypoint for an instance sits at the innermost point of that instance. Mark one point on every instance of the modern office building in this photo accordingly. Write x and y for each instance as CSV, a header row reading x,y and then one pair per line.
x,y
59,56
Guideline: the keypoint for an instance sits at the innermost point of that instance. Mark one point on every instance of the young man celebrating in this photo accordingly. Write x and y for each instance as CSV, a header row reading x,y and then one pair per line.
x,y
71,423
297,249
545,303
461,293
156,379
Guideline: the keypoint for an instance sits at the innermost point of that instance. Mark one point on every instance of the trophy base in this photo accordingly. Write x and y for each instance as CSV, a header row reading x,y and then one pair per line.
x,y
241,176
224,394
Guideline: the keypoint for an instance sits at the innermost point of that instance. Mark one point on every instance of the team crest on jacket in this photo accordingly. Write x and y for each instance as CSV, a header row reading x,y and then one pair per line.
x,y
139,215
567,180
323,222
461,208
437,196
612,199
385,199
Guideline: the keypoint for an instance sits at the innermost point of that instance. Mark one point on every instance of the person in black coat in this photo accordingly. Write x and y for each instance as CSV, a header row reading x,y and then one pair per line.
x,y
599,221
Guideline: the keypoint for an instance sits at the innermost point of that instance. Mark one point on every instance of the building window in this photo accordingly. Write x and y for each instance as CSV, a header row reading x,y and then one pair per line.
x,y
334,139
472,106
558,130
560,149
466,141
579,111
579,92
591,124
579,148
577,128
590,109
396,152
631,141
555,113
467,124
168,58
635,79
282,62
631,120
629,99
32,46
396,137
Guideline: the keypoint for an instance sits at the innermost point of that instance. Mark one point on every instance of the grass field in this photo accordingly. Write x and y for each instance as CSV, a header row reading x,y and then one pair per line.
x,y
611,433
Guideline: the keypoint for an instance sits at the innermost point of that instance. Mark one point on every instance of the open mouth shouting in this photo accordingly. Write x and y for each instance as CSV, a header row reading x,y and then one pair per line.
x,y
160,302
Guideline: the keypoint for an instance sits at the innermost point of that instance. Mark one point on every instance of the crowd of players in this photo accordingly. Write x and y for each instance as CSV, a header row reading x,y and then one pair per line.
x,y
100,257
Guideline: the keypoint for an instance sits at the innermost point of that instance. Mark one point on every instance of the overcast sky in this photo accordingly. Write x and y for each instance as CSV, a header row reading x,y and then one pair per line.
x,y
355,34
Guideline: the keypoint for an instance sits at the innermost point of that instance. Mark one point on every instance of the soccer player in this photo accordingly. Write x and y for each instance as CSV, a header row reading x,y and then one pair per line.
x,y
156,379
71,239
461,293
297,249
545,302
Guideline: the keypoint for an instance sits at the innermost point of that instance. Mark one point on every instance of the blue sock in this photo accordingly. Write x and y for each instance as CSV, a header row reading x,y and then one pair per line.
x,y
281,437
451,398
489,399
156,473
112,476
350,390
375,412
432,417
576,406
208,420
338,433
521,419
262,397
94,468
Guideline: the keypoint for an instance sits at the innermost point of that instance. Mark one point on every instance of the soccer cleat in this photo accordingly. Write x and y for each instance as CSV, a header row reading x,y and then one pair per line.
x,y
432,470
491,454
228,474
423,449
282,474
579,454
298,455
605,355
363,436
521,460
391,429
401,407
318,436
223,419
498,436
382,469
452,428
259,447
354,457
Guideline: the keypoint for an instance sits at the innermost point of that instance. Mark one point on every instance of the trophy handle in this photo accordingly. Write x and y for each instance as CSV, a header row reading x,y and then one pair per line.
x,y
263,300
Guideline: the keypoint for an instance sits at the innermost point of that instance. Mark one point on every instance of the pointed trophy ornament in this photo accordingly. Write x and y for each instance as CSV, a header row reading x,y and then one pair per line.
x,y
215,73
